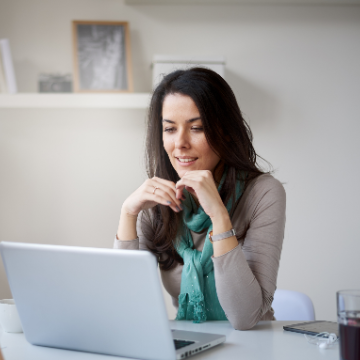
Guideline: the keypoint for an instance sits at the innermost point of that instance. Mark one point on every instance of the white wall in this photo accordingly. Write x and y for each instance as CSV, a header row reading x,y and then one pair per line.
x,y
295,71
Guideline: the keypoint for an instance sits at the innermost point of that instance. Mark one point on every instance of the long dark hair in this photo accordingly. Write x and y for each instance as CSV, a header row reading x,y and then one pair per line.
x,y
227,133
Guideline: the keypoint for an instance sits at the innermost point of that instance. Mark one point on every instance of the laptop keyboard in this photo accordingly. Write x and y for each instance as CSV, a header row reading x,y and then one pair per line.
x,y
181,343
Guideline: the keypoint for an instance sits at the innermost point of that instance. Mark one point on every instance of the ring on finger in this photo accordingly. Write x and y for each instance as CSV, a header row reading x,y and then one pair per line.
x,y
155,187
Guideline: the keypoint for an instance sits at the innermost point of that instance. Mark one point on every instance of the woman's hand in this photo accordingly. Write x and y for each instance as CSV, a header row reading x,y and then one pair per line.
x,y
201,184
146,197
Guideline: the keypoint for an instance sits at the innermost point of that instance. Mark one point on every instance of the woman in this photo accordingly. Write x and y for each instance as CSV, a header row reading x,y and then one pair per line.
x,y
211,216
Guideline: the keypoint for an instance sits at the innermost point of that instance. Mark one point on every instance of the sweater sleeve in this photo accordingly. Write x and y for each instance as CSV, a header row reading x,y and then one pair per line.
x,y
144,232
246,276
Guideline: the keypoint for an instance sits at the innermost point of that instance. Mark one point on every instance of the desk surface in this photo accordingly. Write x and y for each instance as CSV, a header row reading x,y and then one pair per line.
x,y
267,340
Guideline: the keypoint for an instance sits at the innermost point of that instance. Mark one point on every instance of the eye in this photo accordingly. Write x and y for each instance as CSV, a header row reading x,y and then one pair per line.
x,y
169,129
197,128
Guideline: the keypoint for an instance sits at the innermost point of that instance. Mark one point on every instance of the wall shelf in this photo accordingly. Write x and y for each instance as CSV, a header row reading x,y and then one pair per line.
x,y
81,101
242,2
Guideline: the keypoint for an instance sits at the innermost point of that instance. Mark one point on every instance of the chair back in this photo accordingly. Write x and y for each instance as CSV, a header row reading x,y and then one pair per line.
x,y
292,305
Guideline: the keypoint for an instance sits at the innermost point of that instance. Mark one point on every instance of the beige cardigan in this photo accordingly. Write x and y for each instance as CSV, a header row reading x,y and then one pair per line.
x,y
245,277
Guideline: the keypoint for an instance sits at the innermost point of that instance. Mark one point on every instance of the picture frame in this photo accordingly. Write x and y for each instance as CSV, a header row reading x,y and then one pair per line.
x,y
102,56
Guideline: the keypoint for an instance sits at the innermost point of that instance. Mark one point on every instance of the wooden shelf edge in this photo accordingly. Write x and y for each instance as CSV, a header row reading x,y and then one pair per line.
x,y
72,100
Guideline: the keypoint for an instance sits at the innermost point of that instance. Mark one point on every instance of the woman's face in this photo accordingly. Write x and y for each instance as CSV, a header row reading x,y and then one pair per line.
x,y
183,136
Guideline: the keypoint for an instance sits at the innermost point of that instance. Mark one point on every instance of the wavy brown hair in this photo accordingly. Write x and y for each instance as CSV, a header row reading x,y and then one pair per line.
x,y
227,133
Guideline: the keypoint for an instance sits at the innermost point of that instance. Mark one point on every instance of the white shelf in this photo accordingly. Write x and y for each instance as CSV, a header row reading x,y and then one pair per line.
x,y
242,2
72,100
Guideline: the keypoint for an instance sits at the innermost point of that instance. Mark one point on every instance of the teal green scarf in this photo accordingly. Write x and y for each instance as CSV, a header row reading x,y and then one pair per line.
x,y
198,300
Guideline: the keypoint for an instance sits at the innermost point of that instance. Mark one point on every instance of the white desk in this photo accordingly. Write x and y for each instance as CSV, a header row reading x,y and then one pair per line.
x,y
267,340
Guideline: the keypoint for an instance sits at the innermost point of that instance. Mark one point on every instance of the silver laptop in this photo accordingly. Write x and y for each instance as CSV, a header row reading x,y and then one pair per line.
x,y
97,300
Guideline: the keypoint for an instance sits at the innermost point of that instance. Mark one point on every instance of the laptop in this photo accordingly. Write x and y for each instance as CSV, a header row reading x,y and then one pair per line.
x,y
103,301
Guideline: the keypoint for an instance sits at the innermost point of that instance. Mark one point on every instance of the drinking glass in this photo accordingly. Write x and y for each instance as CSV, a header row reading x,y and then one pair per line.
x,y
348,310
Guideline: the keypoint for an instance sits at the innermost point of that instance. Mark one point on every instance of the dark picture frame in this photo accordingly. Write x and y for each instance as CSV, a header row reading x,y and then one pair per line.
x,y
102,57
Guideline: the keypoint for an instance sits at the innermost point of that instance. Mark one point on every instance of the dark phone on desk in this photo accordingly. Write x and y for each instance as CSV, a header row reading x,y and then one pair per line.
x,y
314,327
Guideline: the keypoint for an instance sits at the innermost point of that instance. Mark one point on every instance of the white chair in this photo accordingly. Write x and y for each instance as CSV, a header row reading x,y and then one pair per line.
x,y
292,305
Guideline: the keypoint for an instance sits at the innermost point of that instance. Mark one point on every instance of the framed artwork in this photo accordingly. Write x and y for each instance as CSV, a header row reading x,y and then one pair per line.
x,y
102,59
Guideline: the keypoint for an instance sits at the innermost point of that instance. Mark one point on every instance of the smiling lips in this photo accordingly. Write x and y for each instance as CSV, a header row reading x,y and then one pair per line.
x,y
185,160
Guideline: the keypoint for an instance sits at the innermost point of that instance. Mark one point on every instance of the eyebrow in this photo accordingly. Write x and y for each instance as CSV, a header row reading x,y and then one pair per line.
x,y
188,121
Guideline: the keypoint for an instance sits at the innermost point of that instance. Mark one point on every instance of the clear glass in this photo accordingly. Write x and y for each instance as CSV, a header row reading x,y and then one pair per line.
x,y
348,311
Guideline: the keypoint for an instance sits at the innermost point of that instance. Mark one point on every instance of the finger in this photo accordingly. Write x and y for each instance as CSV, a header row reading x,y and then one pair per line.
x,y
190,190
196,178
166,183
169,186
180,186
171,193
159,199
165,198
189,184
179,192
192,182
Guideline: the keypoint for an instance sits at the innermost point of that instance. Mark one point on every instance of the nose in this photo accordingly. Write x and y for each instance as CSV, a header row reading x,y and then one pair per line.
x,y
182,139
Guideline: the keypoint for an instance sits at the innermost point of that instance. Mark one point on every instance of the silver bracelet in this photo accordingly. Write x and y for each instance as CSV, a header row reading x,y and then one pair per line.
x,y
221,236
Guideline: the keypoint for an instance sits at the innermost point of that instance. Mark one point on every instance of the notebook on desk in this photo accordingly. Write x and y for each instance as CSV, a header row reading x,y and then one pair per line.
x,y
96,300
